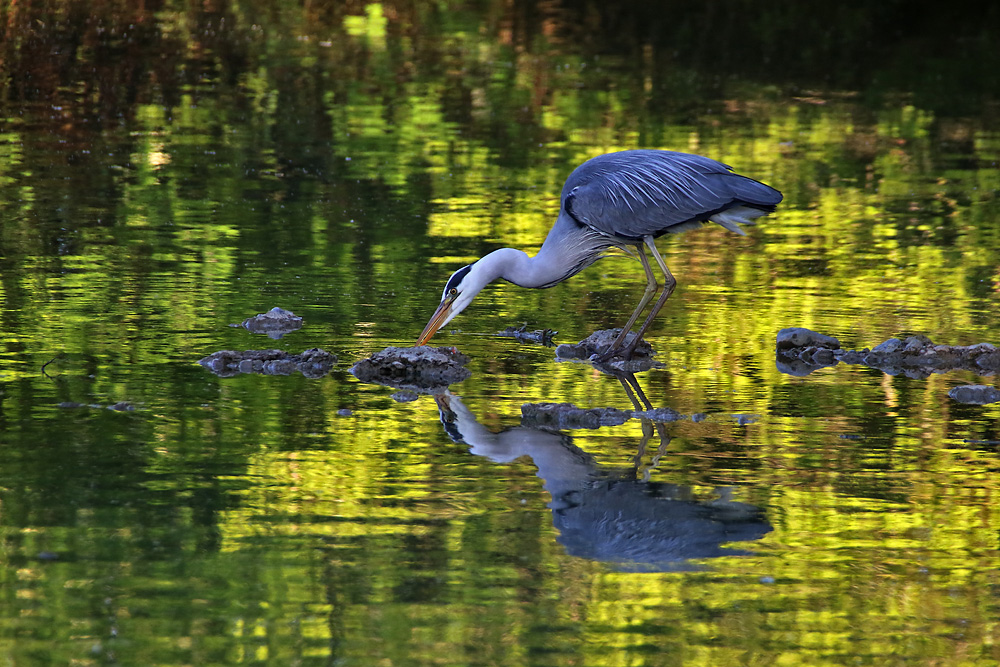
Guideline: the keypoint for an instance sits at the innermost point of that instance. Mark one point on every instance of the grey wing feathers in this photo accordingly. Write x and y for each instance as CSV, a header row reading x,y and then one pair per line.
x,y
632,194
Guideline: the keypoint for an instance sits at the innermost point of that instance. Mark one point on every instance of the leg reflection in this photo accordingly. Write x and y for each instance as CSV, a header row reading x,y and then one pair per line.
x,y
642,403
612,514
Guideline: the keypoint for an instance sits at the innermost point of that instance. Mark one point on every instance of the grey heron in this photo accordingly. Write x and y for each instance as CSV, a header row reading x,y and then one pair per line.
x,y
619,200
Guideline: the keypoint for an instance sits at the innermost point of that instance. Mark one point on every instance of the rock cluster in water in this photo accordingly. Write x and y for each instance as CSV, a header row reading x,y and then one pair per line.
x,y
419,368
312,363
800,351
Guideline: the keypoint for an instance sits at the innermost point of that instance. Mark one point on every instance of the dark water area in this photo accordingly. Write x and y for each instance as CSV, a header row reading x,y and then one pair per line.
x,y
169,170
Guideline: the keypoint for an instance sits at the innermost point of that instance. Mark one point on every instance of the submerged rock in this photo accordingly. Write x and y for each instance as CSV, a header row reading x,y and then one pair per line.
x,y
744,420
800,337
889,346
976,394
540,336
662,415
120,406
568,416
420,368
312,363
801,351
598,342
275,323
405,396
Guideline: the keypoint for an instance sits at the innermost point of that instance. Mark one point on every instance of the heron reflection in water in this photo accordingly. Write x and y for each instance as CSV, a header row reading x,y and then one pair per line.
x,y
619,200
613,515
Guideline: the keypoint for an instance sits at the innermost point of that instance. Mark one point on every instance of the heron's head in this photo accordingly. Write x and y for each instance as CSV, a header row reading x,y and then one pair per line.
x,y
458,294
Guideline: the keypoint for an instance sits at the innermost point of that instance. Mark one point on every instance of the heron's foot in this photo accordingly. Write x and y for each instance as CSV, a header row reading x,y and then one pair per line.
x,y
599,347
634,349
614,354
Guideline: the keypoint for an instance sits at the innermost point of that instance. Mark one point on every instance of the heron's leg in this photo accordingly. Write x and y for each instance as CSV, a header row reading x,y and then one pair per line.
x,y
669,283
646,296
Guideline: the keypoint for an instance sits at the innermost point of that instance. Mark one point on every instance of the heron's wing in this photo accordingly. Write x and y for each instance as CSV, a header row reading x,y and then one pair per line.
x,y
632,194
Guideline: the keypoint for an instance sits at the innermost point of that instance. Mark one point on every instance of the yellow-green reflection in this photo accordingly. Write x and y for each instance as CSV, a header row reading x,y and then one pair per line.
x,y
171,170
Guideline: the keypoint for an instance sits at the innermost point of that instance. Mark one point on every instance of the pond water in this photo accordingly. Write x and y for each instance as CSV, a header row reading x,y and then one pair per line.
x,y
167,172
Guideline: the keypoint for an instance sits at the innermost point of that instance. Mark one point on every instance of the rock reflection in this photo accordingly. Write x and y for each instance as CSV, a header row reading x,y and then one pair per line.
x,y
609,514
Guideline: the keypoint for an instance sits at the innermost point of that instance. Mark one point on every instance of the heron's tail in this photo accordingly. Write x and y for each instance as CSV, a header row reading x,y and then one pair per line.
x,y
751,200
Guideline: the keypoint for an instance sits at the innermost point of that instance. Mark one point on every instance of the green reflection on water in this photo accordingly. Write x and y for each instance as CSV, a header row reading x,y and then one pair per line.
x,y
170,173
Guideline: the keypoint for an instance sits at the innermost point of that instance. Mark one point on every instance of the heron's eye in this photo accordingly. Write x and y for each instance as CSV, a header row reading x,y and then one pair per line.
x,y
453,291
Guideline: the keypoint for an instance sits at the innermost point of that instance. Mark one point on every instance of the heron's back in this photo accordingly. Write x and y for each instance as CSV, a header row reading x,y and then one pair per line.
x,y
637,193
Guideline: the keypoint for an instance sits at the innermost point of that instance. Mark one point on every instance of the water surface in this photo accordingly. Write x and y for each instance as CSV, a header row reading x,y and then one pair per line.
x,y
174,171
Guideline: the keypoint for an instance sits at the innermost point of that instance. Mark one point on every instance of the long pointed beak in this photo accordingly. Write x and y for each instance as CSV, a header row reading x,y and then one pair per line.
x,y
437,321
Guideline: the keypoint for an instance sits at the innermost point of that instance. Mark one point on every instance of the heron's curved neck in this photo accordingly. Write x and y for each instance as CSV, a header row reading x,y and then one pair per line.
x,y
519,268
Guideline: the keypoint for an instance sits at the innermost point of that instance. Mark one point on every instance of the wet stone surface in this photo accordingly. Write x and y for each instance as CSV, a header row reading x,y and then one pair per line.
x,y
598,342
801,351
799,337
662,415
312,363
540,336
568,416
420,369
975,394
120,406
275,323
